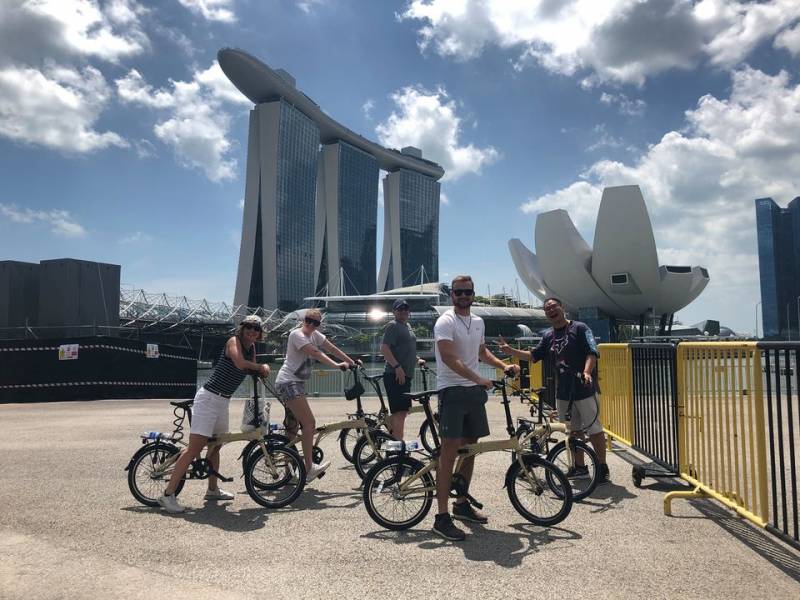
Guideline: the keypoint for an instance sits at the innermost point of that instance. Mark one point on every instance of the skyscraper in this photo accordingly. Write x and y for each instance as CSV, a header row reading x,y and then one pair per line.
x,y
276,268
410,229
346,220
291,184
778,232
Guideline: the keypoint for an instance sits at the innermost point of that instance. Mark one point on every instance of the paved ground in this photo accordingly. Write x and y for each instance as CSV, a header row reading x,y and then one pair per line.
x,y
69,528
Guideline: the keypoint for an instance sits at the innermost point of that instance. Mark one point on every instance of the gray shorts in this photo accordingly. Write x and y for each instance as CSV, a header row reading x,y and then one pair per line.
x,y
583,414
286,392
462,412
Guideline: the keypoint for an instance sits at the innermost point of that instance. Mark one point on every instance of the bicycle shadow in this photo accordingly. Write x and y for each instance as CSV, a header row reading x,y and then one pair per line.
x,y
216,514
316,499
503,548
608,496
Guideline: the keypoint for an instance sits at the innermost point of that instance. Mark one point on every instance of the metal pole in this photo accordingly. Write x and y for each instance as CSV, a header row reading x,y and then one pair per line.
x,y
757,304
788,324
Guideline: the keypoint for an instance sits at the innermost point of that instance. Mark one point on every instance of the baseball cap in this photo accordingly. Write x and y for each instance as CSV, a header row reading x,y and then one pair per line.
x,y
400,303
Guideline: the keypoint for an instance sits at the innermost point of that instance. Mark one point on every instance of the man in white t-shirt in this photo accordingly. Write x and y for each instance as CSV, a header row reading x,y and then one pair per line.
x,y
459,345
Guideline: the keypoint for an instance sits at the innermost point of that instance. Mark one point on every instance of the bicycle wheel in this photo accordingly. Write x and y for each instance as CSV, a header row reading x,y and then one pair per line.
x,y
347,442
277,479
532,497
364,455
426,437
145,479
388,505
581,486
253,444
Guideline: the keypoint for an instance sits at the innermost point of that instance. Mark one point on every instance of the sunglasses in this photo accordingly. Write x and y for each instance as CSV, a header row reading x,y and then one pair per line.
x,y
464,292
313,322
253,327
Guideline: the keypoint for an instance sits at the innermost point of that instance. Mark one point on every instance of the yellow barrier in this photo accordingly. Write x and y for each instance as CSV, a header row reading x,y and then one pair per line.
x,y
615,374
721,426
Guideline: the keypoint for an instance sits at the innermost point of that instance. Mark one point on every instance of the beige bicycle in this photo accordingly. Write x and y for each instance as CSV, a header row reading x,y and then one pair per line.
x,y
274,475
399,490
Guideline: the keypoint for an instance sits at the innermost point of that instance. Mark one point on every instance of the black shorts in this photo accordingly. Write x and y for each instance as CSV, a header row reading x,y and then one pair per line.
x,y
395,393
462,412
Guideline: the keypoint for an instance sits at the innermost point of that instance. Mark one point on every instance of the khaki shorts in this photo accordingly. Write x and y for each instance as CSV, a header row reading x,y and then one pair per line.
x,y
583,414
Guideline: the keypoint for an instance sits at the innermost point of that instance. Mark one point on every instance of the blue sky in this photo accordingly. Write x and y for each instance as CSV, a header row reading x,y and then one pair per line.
x,y
121,141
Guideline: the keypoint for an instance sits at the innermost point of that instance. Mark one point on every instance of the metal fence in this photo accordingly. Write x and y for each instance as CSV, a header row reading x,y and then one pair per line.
x,y
655,411
615,381
781,365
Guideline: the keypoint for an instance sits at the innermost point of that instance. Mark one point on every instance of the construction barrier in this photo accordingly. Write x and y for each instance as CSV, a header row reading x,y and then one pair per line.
x,y
722,439
616,391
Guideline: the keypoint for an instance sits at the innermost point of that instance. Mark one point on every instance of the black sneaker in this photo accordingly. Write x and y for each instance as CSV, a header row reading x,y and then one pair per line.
x,y
577,472
443,526
463,511
603,475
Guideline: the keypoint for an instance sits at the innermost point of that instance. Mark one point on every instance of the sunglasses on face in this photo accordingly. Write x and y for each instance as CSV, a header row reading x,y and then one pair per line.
x,y
313,322
464,292
253,328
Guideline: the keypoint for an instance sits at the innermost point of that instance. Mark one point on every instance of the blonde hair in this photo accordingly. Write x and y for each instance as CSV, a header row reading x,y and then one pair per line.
x,y
314,313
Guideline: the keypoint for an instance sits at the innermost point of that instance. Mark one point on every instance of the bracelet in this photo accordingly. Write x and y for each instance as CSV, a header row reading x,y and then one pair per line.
x,y
397,366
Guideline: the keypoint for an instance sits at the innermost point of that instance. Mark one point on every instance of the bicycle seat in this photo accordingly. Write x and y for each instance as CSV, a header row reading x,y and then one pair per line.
x,y
373,378
183,404
420,395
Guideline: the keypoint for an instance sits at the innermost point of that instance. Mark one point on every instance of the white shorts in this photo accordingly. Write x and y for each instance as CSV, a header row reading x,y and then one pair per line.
x,y
582,415
209,413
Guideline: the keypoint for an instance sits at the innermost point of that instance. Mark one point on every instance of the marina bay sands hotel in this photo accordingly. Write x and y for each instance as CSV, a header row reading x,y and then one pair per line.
x,y
311,200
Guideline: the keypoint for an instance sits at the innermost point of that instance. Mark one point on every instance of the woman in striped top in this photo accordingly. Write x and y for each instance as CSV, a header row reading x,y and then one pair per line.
x,y
210,408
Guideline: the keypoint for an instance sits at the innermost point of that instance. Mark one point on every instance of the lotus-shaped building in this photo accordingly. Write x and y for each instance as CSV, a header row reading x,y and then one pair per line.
x,y
620,276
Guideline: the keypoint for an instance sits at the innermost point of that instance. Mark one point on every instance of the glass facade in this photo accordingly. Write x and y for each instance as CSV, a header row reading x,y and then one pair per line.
x,y
357,218
779,266
298,148
419,227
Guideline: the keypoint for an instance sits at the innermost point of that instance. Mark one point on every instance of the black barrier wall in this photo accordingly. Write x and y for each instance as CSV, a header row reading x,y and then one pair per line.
x,y
31,370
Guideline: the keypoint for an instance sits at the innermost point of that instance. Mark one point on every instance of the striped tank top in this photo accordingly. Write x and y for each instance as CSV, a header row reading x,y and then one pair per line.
x,y
226,377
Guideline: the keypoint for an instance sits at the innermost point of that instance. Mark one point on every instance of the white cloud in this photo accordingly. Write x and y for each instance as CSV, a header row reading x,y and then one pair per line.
x,y
621,40
428,120
367,108
700,184
626,106
56,107
197,125
211,10
32,30
60,221
444,200
789,39
137,237
307,6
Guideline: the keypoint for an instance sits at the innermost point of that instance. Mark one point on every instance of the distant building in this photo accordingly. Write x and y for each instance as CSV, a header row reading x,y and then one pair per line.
x,y
346,220
410,229
310,216
778,232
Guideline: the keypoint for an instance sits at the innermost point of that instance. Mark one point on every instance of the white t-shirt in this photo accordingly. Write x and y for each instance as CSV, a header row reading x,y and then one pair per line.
x,y
466,333
297,364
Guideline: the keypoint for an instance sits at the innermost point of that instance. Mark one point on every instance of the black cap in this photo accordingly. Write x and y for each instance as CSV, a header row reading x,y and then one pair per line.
x,y
399,303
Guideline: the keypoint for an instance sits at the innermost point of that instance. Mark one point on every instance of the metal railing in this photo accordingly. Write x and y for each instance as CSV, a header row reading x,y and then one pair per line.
x,y
616,391
655,399
781,365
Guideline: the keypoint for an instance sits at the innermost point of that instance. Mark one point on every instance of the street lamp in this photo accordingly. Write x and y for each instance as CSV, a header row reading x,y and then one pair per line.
x,y
788,324
757,305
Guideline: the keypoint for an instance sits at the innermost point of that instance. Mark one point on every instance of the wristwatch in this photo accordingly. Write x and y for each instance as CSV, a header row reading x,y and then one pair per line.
x,y
394,368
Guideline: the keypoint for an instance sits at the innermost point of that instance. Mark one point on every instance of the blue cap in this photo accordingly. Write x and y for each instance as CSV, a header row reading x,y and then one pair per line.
x,y
400,303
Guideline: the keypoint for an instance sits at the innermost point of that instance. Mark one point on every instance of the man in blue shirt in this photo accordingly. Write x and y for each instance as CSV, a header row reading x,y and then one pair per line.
x,y
574,352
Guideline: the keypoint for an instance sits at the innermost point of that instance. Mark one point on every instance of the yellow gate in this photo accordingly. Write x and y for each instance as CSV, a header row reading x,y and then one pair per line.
x,y
615,374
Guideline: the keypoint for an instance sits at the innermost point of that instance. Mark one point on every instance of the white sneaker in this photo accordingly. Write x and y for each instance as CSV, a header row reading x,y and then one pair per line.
x,y
317,471
218,494
170,504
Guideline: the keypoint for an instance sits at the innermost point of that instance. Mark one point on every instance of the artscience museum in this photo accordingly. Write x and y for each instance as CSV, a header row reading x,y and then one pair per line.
x,y
619,278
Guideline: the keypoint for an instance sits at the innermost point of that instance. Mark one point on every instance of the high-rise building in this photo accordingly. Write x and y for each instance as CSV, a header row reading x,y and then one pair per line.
x,y
276,267
410,229
778,232
346,220
284,256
